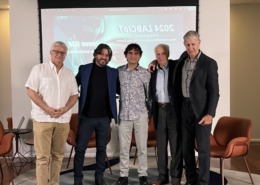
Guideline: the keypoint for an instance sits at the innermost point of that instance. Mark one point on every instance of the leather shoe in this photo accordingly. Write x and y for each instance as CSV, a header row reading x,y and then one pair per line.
x,y
159,182
100,181
122,181
143,180
188,183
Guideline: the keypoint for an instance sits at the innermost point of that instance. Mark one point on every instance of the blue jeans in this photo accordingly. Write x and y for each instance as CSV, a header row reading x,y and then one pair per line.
x,y
85,129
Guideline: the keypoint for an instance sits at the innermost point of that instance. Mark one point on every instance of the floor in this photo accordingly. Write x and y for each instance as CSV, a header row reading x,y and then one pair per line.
x,y
236,164
233,177
253,160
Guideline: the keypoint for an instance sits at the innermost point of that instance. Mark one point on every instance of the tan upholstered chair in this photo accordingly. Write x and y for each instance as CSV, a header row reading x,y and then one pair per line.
x,y
6,143
72,138
231,138
151,142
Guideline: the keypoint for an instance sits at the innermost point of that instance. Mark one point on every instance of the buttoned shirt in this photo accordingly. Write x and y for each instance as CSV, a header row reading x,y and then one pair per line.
x,y
187,71
162,84
54,88
133,92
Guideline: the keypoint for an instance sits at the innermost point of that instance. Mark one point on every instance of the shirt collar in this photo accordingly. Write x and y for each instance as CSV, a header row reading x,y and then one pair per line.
x,y
196,58
53,66
136,68
165,67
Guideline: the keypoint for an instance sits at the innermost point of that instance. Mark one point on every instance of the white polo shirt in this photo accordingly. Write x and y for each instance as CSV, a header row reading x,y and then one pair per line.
x,y
55,89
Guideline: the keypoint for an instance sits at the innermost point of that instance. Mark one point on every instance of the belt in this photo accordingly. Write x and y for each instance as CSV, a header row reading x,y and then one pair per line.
x,y
164,104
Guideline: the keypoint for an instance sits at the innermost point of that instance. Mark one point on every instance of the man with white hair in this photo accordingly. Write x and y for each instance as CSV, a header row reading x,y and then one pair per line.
x,y
53,91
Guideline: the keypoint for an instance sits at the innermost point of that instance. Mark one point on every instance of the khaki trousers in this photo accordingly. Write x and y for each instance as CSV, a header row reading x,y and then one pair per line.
x,y
125,136
49,142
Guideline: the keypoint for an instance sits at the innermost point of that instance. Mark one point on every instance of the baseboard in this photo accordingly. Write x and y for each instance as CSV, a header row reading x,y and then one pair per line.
x,y
255,140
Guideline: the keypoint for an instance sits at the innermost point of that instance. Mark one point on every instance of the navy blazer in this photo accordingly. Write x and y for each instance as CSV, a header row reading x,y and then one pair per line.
x,y
204,87
171,65
82,79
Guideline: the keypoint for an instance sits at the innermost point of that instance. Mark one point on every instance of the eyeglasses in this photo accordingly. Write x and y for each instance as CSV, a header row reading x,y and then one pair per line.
x,y
57,52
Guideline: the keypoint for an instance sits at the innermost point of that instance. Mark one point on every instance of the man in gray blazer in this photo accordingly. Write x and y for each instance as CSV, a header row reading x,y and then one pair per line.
x,y
196,94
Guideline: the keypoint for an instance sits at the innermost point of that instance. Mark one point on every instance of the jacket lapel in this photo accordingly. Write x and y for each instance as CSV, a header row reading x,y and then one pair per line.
x,y
198,67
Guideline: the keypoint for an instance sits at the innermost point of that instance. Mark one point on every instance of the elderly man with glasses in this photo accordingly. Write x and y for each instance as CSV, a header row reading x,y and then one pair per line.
x,y
53,91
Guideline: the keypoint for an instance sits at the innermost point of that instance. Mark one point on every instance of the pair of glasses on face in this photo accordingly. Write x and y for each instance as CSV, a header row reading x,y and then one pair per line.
x,y
57,52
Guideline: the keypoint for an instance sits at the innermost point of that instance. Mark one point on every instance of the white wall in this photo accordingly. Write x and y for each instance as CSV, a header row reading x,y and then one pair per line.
x,y
214,28
5,69
24,54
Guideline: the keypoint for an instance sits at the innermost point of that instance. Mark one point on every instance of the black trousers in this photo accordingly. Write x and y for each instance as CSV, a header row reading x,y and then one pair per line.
x,y
86,127
169,131
191,130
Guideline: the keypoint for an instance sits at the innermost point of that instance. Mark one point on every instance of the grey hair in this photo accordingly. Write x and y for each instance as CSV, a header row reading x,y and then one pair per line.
x,y
59,43
191,33
165,48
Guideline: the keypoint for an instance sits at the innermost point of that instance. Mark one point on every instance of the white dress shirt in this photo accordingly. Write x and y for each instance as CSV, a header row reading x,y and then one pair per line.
x,y
54,88
162,84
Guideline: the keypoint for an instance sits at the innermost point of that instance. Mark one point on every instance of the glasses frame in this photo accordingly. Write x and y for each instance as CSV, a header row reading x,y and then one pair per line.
x,y
57,52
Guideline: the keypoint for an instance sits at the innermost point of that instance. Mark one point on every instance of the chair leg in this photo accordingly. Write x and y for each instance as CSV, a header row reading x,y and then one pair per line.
x,y
222,170
135,155
70,156
197,162
2,174
130,152
155,153
248,169
10,171
109,165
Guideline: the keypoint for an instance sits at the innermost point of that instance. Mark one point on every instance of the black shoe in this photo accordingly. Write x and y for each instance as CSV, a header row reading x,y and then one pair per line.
x,y
143,180
78,183
100,181
122,181
159,181
188,183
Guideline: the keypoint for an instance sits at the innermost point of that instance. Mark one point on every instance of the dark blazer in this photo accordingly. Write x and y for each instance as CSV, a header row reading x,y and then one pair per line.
x,y
82,79
152,86
204,87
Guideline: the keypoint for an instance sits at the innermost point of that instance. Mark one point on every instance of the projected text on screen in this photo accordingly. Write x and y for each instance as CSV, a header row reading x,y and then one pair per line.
x,y
83,29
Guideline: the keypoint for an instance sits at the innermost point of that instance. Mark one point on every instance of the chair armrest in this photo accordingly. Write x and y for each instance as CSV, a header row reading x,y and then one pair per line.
x,y
6,143
71,138
237,147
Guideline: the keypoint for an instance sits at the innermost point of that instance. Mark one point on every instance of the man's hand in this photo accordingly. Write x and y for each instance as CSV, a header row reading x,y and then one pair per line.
x,y
59,112
206,120
38,100
54,113
152,66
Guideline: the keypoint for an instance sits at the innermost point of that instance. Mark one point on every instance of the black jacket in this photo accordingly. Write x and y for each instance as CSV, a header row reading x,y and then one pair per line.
x,y
204,87
152,86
